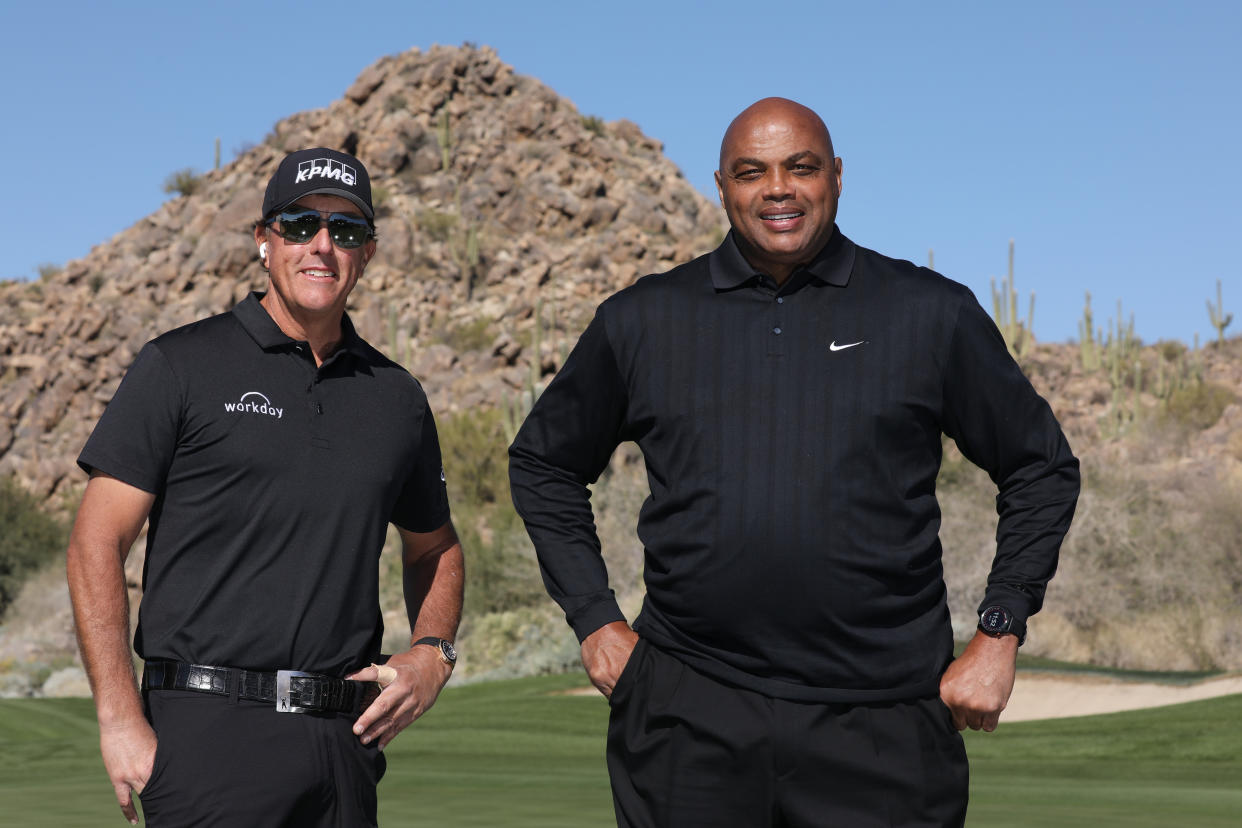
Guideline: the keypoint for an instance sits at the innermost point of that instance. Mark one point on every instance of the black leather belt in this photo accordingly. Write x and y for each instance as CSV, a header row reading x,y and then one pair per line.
x,y
290,691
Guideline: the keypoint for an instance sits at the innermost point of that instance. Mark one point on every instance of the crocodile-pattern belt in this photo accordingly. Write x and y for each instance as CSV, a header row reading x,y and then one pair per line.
x,y
290,691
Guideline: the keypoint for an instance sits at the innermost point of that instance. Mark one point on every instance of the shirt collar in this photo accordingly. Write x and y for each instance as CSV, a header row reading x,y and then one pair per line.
x,y
256,321
831,265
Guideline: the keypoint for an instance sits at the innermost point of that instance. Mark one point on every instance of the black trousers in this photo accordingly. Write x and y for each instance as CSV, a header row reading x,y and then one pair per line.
x,y
685,751
237,763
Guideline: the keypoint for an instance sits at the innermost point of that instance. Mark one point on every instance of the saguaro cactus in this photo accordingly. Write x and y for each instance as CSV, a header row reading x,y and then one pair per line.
x,y
445,137
1086,338
1220,319
1018,335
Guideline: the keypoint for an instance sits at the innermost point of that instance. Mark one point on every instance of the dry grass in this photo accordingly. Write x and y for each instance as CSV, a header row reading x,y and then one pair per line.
x,y
1150,575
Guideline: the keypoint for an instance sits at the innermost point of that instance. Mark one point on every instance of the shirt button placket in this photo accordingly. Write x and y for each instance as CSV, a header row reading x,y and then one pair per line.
x,y
318,428
777,336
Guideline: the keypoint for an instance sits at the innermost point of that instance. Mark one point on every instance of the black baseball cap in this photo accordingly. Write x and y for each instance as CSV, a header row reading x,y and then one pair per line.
x,y
318,170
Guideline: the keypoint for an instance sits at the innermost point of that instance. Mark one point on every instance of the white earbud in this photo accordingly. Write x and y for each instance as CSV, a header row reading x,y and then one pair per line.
x,y
263,250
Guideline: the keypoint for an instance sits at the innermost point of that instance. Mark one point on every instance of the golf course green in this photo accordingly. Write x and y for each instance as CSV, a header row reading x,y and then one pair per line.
x,y
523,754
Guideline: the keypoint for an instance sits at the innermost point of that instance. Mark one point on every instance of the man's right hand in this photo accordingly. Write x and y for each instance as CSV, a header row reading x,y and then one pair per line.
x,y
605,653
108,522
129,757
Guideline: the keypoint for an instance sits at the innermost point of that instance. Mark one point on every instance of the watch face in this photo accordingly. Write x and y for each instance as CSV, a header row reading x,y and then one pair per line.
x,y
995,620
449,651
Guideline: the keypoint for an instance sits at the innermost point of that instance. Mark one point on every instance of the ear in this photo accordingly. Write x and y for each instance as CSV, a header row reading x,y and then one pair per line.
x,y
260,239
837,167
368,251
720,188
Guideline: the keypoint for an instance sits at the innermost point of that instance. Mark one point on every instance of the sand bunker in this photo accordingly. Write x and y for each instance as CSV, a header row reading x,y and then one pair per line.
x,y
1058,695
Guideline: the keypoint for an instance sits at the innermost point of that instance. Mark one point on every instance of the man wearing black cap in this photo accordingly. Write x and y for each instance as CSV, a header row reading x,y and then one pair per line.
x,y
269,447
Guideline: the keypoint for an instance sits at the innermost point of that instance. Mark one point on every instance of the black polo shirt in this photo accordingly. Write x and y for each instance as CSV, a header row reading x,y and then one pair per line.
x,y
792,438
275,481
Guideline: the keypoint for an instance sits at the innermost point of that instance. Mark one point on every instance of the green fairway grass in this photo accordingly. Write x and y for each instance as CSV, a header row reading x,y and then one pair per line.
x,y
1166,767
520,754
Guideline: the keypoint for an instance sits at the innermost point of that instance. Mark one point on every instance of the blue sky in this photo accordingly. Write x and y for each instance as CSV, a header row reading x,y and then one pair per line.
x,y
1104,137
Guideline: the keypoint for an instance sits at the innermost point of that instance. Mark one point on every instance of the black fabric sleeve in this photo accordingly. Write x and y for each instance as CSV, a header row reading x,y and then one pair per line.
x,y
1002,425
136,438
564,445
422,505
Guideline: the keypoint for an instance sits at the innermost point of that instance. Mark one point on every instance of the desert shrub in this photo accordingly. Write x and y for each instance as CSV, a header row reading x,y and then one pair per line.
x,y
505,603
476,459
47,270
438,224
967,498
511,643
29,538
183,182
1198,405
537,150
501,572
1171,350
1150,574
474,335
381,196
593,124
510,626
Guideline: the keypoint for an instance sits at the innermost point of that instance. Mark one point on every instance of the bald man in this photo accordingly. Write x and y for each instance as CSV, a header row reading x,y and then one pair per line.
x,y
792,664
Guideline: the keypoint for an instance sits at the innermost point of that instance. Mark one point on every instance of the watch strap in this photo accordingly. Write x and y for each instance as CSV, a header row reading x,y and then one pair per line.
x,y
997,620
448,654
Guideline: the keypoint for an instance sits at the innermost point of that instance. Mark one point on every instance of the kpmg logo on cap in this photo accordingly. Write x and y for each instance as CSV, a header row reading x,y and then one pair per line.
x,y
327,169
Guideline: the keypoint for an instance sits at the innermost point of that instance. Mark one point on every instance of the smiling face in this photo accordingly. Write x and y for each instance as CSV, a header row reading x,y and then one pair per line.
x,y
310,283
779,183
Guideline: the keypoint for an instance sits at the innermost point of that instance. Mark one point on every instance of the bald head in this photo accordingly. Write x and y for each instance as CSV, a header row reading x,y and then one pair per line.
x,y
768,115
779,182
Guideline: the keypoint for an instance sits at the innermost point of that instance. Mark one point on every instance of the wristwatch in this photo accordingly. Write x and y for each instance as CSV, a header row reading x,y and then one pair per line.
x,y
448,654
997,621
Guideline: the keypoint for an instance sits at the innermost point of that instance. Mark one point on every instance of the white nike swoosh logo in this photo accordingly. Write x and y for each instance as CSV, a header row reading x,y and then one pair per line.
x,y
835,347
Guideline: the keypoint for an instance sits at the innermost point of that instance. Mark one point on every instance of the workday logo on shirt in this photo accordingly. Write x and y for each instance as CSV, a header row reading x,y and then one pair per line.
x,y
253,402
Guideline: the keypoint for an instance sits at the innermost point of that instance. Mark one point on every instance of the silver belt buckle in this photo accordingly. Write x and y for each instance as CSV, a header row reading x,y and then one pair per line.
x,y
283,680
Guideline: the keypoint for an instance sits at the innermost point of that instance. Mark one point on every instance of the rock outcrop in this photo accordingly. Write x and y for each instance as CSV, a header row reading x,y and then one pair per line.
x,y
496,200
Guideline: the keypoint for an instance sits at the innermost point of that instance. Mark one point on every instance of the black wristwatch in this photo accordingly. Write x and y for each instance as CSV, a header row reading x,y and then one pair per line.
x,y
447,652
997,621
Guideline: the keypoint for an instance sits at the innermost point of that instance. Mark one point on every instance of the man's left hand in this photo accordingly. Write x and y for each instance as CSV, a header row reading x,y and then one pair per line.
x,y
977,685
420,676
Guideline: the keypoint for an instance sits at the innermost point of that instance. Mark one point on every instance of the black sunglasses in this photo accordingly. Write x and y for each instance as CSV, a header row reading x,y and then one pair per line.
x,y
299,226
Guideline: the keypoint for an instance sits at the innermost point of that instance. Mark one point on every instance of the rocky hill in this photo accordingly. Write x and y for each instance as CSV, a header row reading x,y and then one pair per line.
x,y
504,217
494,196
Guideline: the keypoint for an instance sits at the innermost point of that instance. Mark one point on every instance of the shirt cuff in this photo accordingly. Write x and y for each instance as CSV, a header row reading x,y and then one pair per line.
x,y
1017,600
590,618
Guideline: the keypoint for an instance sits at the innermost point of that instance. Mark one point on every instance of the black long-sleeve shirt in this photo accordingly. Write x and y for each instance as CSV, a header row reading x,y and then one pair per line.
x,y
792,438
